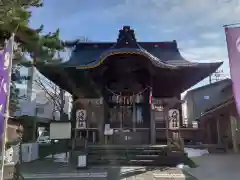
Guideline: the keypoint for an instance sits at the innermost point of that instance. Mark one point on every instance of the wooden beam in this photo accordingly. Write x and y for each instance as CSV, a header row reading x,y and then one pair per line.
x,y
152,125
209,134
71,84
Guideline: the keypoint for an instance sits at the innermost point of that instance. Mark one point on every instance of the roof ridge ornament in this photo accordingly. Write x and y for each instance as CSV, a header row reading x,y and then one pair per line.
x,y
126,38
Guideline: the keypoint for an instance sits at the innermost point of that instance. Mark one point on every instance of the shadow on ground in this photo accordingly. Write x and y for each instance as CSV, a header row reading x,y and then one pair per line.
x,y
217,167
157,173
113,172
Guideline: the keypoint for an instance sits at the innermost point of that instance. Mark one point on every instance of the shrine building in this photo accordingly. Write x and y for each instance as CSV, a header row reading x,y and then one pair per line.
x,y
126,92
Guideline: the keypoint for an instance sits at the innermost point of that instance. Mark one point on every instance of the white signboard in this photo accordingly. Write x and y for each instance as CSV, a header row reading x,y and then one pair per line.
x,y
206,97
194,124
108,130
60,130
174,118
81,116
82,161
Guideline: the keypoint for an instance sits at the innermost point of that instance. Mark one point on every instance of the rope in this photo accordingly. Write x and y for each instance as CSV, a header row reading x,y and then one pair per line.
x,y
133,95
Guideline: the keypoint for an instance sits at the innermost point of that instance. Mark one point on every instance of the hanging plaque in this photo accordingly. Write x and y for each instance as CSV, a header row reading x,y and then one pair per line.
x,y
81,116
174,118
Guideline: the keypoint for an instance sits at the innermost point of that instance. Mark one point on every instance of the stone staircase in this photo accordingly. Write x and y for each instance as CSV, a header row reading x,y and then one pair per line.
x,y
135,155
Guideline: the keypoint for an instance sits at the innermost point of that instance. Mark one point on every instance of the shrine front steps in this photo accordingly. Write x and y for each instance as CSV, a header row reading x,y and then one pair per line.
x,y
134,156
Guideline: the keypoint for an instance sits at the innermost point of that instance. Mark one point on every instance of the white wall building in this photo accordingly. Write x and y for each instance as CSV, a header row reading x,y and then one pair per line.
x,y
35,102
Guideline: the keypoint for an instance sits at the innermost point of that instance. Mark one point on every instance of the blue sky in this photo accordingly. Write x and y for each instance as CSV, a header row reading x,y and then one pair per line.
x,y
196,25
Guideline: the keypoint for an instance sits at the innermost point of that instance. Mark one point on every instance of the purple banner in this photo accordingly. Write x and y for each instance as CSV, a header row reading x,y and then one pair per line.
x,y
233,45
5,65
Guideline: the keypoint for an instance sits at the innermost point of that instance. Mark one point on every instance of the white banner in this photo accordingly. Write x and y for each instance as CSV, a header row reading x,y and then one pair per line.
x,y
174,118
81,116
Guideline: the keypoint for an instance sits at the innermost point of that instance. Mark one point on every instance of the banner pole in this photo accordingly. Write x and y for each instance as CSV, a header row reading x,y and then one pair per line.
x,y
7,108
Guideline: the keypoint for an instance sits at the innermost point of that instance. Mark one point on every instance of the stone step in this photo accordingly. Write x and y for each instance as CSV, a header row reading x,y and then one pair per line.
x,y
134,155
132,151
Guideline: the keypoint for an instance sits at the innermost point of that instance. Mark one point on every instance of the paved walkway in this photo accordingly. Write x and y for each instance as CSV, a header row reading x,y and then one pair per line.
x,y
212,167
217,167
48,170
113,175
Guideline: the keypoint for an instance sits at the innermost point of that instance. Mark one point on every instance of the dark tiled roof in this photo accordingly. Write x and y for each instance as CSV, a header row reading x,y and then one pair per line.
x,y
160,55
164,53
209,85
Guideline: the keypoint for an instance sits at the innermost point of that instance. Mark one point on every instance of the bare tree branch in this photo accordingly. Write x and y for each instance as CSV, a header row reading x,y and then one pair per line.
x,y
52,91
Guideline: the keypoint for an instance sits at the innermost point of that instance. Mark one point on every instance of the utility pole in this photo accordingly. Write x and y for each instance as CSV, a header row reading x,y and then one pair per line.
x,y
210,79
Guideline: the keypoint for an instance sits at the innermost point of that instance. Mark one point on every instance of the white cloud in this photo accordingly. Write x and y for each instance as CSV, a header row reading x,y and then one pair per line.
x,y
202,18
208,54
203,13
162,13
187,43
166,15
210,35
169,30
185,20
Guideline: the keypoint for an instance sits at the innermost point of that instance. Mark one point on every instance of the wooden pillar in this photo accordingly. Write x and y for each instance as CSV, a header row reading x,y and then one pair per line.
x,y
89,109
209,134
233,123
218,130
73,124
152,125
166,108
101,122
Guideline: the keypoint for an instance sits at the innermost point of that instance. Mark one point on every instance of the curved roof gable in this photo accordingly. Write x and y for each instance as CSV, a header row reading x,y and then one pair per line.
x,y
88,55
160,53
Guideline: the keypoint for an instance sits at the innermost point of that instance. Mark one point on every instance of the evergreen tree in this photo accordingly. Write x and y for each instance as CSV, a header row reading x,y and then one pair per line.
x,y
14,18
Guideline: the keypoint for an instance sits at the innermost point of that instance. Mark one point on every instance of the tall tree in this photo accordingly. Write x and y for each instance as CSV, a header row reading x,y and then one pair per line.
x,y
14,17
